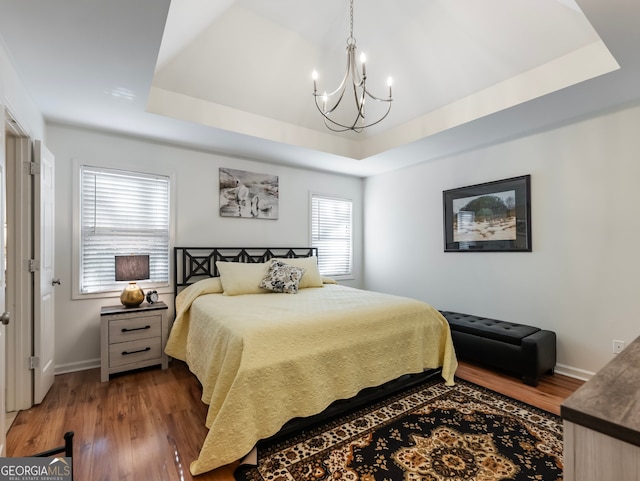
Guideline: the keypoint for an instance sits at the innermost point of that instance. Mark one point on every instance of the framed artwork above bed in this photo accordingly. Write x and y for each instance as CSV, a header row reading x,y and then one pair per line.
x,y
248,194
490,217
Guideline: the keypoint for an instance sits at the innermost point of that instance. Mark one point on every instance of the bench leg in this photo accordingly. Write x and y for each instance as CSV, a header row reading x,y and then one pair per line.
x,y
531,381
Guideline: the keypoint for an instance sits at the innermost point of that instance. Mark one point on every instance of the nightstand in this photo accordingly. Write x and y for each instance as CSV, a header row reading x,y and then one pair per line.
x,y
132,337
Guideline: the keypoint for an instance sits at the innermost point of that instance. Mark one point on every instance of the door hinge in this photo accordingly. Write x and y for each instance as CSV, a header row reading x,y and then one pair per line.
x,y
34,362
32,168
33,265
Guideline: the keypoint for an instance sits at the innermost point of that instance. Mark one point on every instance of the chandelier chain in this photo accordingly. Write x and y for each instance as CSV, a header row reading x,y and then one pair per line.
x,y
351,21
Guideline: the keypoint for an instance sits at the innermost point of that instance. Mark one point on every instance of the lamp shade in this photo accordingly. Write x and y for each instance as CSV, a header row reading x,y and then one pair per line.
x,y
132,268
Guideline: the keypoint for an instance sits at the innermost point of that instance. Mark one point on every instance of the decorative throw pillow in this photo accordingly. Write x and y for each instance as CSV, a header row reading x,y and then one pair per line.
x,y
282,277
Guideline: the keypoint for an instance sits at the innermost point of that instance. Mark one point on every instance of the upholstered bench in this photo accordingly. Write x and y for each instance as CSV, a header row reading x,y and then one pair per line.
x,y
518,349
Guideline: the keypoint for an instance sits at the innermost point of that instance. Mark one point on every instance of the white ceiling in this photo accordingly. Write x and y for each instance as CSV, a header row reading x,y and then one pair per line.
x,y
234,77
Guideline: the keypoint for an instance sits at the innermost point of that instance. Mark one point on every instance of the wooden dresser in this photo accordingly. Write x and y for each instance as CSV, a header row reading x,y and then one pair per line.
x,y
132,337
602,423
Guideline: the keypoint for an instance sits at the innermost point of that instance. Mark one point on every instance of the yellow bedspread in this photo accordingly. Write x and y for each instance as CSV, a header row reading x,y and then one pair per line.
x,y
263,359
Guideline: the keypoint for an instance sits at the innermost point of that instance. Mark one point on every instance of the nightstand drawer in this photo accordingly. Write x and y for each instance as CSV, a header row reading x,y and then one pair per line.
x,y
135,351
125,330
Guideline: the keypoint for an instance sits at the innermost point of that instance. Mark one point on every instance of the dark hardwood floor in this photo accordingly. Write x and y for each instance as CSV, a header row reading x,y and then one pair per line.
x,y
149,424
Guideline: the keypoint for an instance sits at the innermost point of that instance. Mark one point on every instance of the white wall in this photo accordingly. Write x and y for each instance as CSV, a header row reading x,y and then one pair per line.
x,y
197,220
17,100
581,280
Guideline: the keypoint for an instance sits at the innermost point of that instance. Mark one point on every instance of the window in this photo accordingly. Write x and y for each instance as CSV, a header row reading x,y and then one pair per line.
x,y
331,233
121,213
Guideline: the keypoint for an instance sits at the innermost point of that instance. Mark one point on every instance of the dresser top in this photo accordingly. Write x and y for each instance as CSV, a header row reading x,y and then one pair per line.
x,y
610,401
120,309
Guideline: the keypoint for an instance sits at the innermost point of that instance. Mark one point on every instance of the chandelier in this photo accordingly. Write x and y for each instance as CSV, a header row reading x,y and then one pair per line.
x,y
355,78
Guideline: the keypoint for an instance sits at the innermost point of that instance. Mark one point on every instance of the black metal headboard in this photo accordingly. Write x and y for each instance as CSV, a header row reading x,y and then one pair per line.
x,y
192,264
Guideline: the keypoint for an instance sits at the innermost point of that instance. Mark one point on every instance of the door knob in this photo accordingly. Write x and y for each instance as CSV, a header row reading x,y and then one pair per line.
x,y
56,282
5,318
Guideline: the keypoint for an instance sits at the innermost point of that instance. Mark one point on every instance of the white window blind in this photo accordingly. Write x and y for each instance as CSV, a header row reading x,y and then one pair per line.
x,y
331,233
122,213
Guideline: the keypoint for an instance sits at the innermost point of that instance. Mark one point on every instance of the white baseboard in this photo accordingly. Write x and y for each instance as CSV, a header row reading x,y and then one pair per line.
x,y
77,366
574,372
95,363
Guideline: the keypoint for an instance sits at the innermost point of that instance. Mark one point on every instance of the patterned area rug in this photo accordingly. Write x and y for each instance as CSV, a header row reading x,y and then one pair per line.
x,y
430,433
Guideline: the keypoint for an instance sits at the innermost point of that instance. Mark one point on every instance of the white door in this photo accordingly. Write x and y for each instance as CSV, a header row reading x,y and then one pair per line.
x,y
4,315
44,315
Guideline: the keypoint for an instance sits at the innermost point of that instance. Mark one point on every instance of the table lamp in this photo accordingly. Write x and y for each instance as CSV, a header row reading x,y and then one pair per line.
x,y
132,268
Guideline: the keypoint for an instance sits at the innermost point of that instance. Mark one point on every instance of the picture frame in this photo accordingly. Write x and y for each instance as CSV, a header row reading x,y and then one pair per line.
x,y
248,195
490,217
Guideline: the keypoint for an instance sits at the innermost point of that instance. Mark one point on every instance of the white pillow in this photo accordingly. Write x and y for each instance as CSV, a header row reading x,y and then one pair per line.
x,y
242,278
282,277
311,276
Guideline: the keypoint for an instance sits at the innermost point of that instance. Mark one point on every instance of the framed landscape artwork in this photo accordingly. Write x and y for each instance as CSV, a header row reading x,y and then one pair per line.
x,y
248,194
490,217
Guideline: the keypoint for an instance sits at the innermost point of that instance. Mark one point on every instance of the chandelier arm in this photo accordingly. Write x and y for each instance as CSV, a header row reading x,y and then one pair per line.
x,y
357,83
343,84
330,123
351,65
344,127
341,89
381,118
378,99
359,97
335,106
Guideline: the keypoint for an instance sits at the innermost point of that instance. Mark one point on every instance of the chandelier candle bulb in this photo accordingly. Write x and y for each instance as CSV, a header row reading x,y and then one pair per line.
x,y
363,59
314,76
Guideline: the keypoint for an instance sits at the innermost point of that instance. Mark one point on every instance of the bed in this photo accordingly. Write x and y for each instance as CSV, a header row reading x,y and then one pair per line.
x,y
269,361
